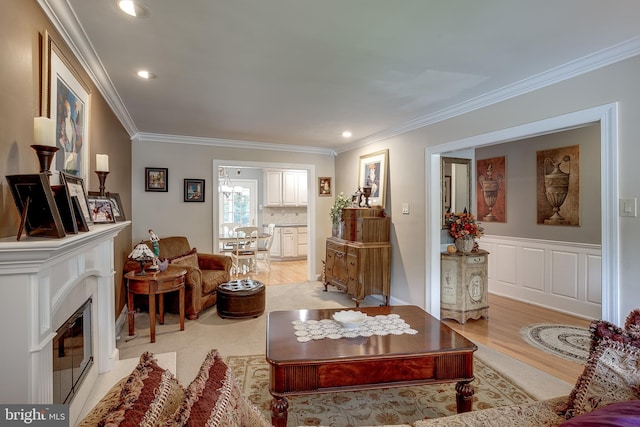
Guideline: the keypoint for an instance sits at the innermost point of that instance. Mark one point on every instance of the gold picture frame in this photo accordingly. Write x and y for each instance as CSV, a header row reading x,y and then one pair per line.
x,y
65,98
373,172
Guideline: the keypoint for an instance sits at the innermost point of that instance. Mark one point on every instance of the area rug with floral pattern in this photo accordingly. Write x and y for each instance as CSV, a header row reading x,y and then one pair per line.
x,y
399,405
569,342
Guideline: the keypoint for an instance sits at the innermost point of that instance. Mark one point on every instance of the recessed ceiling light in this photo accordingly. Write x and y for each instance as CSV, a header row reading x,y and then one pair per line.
x,y
346,134
146,75
133,8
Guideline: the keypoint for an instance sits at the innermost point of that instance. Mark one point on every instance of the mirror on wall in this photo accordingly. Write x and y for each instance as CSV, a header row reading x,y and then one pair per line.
x,y
455,184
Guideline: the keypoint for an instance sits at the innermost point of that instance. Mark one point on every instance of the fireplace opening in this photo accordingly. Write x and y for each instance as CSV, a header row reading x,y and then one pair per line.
x,y
72,354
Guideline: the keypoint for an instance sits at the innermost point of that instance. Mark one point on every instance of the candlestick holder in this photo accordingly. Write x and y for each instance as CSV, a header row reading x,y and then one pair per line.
x,y
45,156
102,177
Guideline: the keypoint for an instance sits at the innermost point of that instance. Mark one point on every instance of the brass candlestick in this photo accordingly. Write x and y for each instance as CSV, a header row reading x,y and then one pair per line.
x,y
102,177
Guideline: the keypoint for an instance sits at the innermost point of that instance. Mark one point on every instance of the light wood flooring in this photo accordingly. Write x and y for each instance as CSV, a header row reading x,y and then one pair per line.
x,y
500,332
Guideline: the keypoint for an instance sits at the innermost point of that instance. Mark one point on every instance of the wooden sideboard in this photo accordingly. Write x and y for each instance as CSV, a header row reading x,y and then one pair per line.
x,y
360,267
463,286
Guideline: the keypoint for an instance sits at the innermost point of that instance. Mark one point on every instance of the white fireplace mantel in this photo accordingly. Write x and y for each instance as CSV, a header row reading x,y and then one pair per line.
x,y
42,282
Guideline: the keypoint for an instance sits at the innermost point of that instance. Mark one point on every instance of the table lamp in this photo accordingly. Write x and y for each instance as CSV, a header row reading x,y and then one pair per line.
x,y
142,254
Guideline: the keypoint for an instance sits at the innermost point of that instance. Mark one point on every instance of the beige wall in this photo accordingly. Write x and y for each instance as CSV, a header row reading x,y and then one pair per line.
x,y
168,215
615,83
20,23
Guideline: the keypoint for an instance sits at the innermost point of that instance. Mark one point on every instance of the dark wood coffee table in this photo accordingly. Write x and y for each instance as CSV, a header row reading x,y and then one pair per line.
x,y
437,354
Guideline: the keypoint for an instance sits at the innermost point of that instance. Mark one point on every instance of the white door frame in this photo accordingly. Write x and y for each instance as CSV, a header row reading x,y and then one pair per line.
x,y
607,116
311,206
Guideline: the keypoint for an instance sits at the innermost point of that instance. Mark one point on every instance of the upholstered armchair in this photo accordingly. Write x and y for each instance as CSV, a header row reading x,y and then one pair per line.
x,y
205,272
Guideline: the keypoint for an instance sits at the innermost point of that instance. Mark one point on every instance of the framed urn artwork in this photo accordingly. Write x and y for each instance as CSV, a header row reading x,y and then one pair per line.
x,y
491,179
558,186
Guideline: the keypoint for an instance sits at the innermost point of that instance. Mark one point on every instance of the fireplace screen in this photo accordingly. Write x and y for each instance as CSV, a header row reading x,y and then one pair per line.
x,y
72,354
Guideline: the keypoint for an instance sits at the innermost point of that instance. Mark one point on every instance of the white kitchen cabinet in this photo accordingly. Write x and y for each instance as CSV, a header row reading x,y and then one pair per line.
x,y
285,188
289,242
272,188
302,241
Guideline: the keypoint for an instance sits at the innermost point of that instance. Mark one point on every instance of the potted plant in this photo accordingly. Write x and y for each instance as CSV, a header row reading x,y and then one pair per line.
x,y
464,229
335,213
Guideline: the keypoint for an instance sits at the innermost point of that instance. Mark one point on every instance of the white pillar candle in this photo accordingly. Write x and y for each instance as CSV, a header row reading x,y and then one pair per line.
x,y
44,131
102,162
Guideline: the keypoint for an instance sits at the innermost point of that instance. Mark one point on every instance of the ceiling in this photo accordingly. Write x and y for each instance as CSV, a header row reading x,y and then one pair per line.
x,y
299,72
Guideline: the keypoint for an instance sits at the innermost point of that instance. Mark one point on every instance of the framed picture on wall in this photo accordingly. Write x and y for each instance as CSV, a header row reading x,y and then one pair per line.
x,y
373,173
156,179
193,190
491,180
65,99
324,186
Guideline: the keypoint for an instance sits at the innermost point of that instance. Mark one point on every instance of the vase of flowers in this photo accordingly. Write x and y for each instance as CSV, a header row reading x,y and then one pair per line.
x,y
335,214
464,229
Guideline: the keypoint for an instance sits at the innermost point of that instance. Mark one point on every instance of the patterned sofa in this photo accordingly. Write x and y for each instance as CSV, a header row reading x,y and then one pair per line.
x,y
606,394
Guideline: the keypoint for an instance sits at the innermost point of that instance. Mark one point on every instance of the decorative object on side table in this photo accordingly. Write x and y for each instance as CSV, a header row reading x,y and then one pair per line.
x,y
464,229
141,254
335,213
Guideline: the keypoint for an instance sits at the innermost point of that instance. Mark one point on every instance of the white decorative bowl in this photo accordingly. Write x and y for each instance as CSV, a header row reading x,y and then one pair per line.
x,y
349,319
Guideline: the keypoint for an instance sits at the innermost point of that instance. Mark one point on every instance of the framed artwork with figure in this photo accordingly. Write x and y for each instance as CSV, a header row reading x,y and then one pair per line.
x,y
373,173
65,99
193,190
324,186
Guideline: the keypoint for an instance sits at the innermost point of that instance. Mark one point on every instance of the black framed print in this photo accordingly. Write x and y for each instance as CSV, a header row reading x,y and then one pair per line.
x,y
156,179
36,204
193,190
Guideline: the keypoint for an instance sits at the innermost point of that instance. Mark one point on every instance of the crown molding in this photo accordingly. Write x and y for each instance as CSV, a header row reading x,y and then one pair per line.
x,y
230,143
594,61
66,22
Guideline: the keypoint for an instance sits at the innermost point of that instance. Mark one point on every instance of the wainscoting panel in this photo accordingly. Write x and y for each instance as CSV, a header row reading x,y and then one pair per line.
x,y
564,273
563,276
533,268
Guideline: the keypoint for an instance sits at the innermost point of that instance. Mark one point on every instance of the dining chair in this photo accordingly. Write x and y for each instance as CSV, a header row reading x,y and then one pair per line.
x,y
227,230
244,253
264,246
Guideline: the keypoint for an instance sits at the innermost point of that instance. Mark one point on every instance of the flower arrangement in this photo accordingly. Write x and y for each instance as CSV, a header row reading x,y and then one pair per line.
x,y
340,203
463,225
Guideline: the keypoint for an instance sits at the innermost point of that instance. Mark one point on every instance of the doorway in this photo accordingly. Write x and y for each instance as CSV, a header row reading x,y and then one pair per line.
x,y
311,206
607,116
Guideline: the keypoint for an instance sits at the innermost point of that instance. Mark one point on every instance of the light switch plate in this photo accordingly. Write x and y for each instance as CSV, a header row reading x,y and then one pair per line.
x,y
405,209
628,207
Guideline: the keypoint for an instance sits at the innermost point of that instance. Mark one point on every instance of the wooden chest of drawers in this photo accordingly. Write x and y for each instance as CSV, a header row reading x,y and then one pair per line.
x,y
358,268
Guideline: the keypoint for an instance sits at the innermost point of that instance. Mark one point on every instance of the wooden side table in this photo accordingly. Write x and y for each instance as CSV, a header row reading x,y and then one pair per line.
x,y
463,286
152,284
